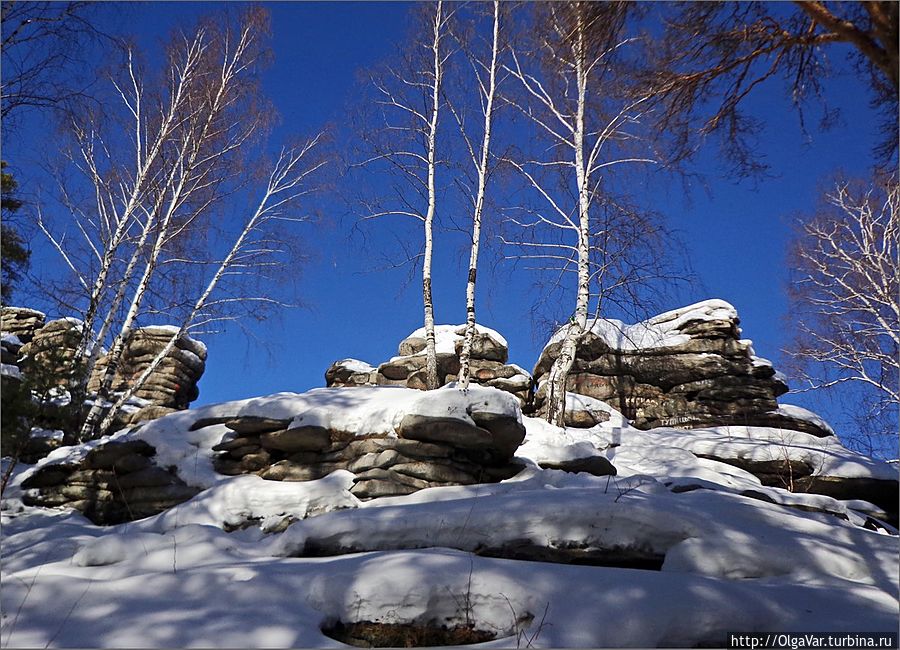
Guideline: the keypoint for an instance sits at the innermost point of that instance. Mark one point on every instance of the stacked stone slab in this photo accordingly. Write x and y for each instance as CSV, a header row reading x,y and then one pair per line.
x,y
115,483
427,452
19,327
21,322
685,368
9,350
489,365
351,372
53,349
31,345
173,384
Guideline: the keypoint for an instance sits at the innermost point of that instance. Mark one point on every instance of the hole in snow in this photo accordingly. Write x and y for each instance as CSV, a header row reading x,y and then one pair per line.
x,y
370,634
619,557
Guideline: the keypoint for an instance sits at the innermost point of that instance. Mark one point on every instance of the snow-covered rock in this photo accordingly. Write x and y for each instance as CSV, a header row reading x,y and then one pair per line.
x,y
50,348
678,549
351,372
488,363
685,368
173,383
390,440
20,322
10,371
382,513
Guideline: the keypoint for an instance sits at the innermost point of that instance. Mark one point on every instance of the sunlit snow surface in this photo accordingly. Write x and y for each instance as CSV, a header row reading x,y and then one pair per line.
x,y
731,563
657,332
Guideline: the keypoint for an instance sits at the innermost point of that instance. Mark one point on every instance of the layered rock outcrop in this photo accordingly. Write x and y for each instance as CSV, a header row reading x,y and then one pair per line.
x,y
52,350
705,408
113,483
428,445
31,345
685,368
173,383
21,322
488,363
394,441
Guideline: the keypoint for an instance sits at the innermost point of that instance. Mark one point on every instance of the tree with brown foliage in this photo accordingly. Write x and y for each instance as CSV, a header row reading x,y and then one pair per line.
x,y
713,55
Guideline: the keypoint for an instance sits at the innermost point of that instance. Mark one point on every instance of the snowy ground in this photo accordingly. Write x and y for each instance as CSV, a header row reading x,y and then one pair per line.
x,y
727,562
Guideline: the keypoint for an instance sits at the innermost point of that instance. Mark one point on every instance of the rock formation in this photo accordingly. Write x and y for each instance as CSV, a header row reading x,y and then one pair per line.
x,y
114,483
52,350
394,440
173,384
21,322
685,368
32,346
423,450
489,368
704,407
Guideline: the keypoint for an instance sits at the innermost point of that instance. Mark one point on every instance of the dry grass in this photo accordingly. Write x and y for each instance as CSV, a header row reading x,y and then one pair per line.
x,y
368,634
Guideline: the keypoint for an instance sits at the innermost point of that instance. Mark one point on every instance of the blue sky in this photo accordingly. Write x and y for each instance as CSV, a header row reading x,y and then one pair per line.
x,y
736,233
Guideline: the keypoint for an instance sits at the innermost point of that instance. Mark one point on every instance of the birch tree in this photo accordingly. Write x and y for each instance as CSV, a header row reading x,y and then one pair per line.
x,y
156,195
485,73
286,185
567,95
409,101
846,298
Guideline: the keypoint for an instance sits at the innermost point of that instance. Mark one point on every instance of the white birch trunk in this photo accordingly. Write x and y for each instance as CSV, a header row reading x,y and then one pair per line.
x,y
431,376
182,330
562,120
138,190
482,169
114,356
559,372
179,177
284,179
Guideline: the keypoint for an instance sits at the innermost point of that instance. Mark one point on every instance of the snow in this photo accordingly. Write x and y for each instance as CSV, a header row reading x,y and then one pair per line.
x,y
77,323
196,346
10,370
250,498
59,396
49,434
196,585
11,340
355,365
27,312
362,411
800,413
446,336
729,560
131,405
825,455
612,515
711,309
519,369
760,362
171,330
586,403
546,443
657,332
